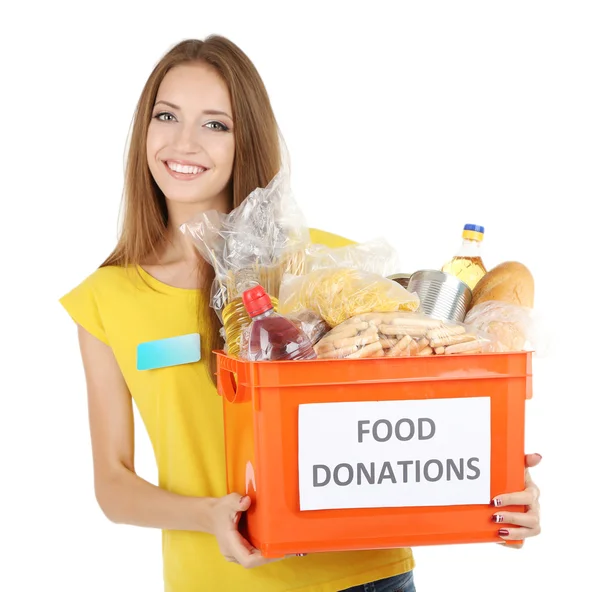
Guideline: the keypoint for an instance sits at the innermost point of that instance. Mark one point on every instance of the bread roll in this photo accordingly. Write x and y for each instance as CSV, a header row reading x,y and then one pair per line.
x,y
508,282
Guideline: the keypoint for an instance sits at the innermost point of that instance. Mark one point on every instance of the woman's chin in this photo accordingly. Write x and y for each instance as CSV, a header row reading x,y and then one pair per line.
x,y
197,201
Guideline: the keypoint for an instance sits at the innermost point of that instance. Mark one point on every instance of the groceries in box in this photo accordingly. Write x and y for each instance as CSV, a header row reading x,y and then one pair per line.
x,y
351,291
361,408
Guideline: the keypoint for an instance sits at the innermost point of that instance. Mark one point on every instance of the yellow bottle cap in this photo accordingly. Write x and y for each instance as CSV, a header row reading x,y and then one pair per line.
x,y
473,232
472,235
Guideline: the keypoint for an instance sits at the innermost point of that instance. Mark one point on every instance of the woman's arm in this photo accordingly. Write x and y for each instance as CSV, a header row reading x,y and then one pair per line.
x,y
128,499
123,496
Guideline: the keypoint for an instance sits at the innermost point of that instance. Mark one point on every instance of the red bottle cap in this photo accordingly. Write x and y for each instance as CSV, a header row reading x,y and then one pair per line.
x,y
256,301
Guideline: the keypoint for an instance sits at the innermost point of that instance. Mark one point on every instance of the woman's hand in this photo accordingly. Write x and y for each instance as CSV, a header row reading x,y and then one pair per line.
x,y
527,523
225,516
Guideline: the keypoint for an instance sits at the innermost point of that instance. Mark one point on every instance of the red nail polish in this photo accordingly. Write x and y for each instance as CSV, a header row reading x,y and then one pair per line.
x,y
498,518
503,532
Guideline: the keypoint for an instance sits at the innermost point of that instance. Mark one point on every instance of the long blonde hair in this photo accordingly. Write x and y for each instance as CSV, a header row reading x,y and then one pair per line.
x,y
257,160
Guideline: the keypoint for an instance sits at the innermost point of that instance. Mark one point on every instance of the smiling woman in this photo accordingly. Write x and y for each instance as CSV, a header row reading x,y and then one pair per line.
x,y
204,137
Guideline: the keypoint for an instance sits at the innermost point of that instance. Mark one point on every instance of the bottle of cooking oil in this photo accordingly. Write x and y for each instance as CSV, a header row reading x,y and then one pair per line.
x,y
235,320
467,264
235,315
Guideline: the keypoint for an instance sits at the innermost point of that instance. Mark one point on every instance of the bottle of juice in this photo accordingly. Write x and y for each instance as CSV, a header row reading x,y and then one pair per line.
x,y
467,264
272,336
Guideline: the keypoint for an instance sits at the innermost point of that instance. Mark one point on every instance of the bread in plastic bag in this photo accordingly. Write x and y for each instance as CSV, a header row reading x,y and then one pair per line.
x,y
338,294
401,334
512,325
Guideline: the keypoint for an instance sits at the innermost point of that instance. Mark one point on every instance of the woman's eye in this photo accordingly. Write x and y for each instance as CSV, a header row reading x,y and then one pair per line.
x,y
164,117
217,125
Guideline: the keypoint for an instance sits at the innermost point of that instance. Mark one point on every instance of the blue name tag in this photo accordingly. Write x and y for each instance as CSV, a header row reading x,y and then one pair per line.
x,y
172,351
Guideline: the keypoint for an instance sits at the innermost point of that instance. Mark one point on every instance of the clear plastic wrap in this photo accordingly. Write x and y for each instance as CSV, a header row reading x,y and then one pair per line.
x,y
513,326
374,256
311,324
401,334
338,294
257,243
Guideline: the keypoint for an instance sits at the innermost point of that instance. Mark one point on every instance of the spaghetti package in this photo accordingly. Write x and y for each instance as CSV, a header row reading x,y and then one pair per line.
x,y
257,243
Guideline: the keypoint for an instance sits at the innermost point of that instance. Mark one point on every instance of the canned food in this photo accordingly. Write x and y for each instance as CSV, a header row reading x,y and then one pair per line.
x,y
442,295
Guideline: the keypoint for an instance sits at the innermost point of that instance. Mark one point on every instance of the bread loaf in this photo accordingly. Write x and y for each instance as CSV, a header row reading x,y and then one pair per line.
x,y
508,282
500,304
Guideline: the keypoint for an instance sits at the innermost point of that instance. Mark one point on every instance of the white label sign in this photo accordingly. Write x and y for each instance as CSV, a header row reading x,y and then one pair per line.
x,y
433,452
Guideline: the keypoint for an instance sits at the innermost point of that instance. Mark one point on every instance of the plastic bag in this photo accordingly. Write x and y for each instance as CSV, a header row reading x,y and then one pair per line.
x,y
341,293
263,238
374,256
514,326
313,326
401,334
257,243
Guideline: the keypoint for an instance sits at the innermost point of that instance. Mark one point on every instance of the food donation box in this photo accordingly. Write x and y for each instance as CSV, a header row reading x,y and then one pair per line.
x,y
374,453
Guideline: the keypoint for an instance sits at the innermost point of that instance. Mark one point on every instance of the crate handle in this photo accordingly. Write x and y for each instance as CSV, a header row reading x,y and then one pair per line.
x,y
228,385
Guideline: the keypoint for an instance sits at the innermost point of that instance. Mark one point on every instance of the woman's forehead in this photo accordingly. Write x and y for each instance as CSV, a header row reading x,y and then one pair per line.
x,y
194,87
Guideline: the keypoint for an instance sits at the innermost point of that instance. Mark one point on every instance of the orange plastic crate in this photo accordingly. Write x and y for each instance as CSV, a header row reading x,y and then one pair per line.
x,y
261,407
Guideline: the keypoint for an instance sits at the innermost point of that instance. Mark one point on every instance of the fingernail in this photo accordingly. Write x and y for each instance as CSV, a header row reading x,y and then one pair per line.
x,y
300,554
498,518
503,532
242,499
538,454
497,502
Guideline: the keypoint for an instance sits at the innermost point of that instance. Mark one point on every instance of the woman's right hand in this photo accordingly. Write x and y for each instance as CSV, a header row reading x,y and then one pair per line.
x,y
225,516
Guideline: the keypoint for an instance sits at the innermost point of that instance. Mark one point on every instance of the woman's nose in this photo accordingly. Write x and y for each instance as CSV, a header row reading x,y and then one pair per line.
x,y
188,139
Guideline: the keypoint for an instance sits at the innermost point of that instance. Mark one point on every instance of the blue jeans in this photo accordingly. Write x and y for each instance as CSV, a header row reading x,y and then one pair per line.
x,y
402,583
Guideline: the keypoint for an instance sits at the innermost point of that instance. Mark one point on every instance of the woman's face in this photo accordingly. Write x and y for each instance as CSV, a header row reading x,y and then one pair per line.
x,y
190,144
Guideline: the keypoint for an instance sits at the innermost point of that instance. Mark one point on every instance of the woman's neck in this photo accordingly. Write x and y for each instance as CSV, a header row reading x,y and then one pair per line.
x,y
178,248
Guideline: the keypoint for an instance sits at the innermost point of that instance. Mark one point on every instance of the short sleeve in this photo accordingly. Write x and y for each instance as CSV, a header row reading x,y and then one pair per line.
x,y
82,305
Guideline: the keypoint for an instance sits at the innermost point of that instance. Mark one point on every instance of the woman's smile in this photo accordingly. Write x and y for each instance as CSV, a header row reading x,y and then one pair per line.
x,y
183,170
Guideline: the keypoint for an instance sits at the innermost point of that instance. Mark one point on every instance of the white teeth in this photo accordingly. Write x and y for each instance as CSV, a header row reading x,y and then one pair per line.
x,y
180,168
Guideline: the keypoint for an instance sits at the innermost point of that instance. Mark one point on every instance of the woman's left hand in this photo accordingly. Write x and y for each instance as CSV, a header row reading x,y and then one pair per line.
x,y
527,524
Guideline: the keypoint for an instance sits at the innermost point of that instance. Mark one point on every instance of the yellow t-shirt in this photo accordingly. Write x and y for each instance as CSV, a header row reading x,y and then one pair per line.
x,y
183,414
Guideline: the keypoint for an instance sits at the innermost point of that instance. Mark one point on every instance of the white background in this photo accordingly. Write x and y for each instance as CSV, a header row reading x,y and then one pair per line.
x,y
405,122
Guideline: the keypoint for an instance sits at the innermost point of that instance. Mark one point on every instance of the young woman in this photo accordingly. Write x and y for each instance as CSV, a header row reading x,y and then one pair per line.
x,y
204,136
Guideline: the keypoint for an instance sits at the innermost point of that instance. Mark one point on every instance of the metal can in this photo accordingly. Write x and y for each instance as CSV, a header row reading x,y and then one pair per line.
x,y
442,295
